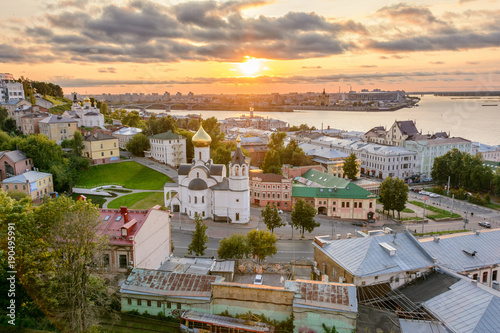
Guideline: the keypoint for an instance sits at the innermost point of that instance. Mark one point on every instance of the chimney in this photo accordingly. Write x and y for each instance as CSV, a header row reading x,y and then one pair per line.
x,y
436,239
124,212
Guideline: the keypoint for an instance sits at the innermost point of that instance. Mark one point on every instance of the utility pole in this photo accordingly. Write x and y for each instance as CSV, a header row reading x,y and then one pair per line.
x,y
448,187
452,202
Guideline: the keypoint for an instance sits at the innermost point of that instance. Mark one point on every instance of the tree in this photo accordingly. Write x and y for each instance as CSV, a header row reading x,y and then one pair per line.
x,y
132,119
234,247
350,167
401,191
212,127
387,194
496,182
221,155
56,245
271,163
262,244
104,109
277,141
193,124
4,114
200,238
189,143
303,216
271,218
138,144
78,144
43,151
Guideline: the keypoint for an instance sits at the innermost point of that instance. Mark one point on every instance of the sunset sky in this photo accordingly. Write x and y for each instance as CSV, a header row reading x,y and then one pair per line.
x,y
101,46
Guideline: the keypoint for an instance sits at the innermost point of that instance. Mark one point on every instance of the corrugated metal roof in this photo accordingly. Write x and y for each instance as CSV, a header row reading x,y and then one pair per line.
x,y
365,257
337,296
467,308
30,176
223,266
449,250
171,284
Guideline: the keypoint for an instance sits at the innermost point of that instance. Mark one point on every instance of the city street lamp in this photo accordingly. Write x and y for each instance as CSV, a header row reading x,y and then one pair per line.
x,y
423,217
466,220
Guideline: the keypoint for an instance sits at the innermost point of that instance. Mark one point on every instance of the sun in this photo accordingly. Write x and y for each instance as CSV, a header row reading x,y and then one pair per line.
x,y
250,67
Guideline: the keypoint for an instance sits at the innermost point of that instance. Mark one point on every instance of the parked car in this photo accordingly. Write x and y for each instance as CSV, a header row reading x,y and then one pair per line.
x,y
359,223
485,224
258,279
434,195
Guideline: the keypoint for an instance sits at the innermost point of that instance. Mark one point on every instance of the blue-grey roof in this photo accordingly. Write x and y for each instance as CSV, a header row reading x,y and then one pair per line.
x,y
366,257
467,308
128,131
30,176
421,326
15,156
57,119
449,251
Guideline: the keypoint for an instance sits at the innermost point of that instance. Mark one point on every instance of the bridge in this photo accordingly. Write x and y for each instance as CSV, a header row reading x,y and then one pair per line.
x,y
157,105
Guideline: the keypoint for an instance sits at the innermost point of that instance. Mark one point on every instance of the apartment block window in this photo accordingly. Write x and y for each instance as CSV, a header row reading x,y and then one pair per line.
x,y
129,301
355,205
494,276
149,303
158,304
169,305
178,306
485,277
101,145
102,153
122,258
139,302
343,204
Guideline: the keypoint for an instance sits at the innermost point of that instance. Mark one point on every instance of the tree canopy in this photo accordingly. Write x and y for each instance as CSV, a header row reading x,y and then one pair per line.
x,y
271,218
138,144
350,167
212,127
303,217
262,244
200,238
234,247
393,194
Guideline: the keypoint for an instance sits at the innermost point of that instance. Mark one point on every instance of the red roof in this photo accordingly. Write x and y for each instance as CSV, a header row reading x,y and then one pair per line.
x,y
113,220
267,177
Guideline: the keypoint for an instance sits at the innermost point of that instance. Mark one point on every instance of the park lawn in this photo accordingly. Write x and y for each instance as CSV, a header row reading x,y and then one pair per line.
x,y
440,213
493,205
141,200
407,210
127,174
96,199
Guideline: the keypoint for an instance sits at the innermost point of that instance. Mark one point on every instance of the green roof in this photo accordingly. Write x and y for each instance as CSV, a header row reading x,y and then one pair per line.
x,y
331,187
167,136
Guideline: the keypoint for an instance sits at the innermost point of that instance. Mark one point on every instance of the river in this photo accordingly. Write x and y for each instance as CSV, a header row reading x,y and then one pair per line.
x,y
462,117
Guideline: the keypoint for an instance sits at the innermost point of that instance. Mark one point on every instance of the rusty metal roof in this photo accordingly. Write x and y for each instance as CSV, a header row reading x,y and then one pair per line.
x,y
169,284
336,296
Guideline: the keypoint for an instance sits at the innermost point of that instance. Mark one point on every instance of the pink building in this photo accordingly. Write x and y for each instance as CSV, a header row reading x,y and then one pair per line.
x,y
289,171
270,188
14,163
138,238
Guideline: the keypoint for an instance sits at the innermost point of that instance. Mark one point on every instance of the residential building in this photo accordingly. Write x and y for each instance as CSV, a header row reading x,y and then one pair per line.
x,y
125,134
10,89
395,136
389,259
167,293
429,150
137,238
333,196
29,123
58,128
332,160
204,189
13,163
272,189
101,148
489,153
473,254
16,108
33,183
168,148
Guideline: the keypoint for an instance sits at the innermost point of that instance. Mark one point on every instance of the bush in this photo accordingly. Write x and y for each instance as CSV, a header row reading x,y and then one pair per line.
x,y
460,194
439,190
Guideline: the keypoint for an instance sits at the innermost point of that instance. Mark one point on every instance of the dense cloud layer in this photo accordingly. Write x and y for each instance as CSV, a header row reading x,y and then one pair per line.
x,y
144,31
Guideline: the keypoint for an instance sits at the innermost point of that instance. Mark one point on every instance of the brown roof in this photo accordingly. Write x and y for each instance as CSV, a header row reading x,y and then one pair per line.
x,y
267,177
168,283
407,127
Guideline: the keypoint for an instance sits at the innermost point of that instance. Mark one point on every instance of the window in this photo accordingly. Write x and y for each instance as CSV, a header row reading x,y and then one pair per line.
x,y
237,216
178,306
139,302
101,145
123,260
474,277
274,195
278,195
169,305
202,199
343,204
149,303
195,200
114,144
494,276
485,277
286,195
203,213
105,260
158,304
237,200
102,153
355,205
129,301
360,205
371,204
15,187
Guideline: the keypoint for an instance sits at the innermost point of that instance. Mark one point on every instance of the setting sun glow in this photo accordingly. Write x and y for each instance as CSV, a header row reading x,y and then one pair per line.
x,y
250,67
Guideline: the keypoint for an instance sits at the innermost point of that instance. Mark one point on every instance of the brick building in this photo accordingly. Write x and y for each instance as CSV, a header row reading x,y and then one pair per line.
x,y
270,188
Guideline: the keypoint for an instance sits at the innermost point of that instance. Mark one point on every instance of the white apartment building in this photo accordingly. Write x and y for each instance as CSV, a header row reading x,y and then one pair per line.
x,y
376,160
9,88
489,153
168,148
428,150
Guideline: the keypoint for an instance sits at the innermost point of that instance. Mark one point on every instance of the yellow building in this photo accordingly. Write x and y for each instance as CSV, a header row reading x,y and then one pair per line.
x,y
323,99
58,128
101,148
35,184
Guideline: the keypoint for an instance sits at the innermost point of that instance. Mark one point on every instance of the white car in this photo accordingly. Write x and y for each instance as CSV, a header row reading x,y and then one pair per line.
x,y
258,279
434,195
280,211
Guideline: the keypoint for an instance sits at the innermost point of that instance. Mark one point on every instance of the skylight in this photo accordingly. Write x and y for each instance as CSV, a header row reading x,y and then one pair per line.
x,y
107,217
118,218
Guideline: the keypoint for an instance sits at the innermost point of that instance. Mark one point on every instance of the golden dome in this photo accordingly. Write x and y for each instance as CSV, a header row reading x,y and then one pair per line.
x,y
86,100
201,138
238,139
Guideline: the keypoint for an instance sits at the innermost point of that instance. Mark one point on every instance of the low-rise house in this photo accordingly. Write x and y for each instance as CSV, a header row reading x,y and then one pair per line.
x,y
167,293
58,128
168,148
33,183
389,259
101,148
333,196
14,163
13,105
125,134
332,160
138,238
489,153
270,188
29,122
474,254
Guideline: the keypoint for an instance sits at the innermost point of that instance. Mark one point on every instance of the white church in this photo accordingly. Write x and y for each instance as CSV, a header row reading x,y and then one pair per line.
x,y
204,188
87,115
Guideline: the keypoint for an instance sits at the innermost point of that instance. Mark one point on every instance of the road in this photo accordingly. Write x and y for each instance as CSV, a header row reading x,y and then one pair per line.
x,y
287,249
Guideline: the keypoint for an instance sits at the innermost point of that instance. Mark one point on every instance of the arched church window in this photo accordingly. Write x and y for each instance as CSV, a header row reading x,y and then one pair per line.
x,y
202,199
200,155
198,174
189,199
195,199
